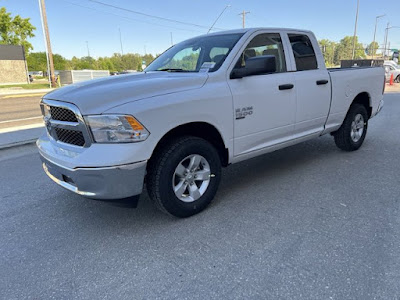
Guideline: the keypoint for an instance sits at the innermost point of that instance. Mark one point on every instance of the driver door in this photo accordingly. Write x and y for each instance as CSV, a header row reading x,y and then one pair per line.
x,y
265,105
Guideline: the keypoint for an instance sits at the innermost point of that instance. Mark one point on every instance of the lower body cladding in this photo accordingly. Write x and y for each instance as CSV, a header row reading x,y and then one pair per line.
x,y
106,183
380,106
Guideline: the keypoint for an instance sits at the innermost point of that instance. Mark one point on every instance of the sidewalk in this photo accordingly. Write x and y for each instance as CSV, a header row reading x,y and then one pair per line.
x,y
395,88
21,135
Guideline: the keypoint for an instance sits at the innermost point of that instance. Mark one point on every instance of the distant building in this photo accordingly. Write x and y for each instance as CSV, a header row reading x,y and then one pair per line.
x,y
13,68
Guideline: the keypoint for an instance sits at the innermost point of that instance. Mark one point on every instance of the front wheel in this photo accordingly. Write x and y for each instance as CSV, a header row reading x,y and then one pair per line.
x,y
183,178
351,134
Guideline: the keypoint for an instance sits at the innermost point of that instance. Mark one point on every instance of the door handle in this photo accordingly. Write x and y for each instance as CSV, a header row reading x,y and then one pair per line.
x,y
286,87
321,82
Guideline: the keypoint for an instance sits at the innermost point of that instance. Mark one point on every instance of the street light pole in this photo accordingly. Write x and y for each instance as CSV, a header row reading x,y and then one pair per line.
x,y
355,29
120,41
385,40
87,46
226,7
373,43
387,37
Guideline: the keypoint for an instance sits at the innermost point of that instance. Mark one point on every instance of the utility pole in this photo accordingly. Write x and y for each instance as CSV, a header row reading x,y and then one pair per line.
x,y
243,14
48,44
373,43
120,41
87,46
355,29
172,41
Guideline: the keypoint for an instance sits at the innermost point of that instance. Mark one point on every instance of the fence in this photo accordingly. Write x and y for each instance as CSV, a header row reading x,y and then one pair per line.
x,y
74,76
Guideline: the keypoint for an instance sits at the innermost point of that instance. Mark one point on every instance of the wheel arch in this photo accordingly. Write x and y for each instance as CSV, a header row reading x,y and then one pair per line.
x,y
364,99
199,129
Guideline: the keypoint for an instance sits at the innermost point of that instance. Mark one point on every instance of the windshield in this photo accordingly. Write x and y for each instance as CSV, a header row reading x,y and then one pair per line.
x,y
201,53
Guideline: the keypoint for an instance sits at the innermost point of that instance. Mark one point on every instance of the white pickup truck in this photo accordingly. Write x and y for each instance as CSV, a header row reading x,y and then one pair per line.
x,y
205,103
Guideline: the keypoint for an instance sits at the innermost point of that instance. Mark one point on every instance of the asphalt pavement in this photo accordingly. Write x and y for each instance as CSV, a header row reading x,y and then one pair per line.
x,y
20,110
305,222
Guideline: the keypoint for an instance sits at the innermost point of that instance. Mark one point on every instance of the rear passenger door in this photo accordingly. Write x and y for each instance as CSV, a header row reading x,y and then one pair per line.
x,y
313,88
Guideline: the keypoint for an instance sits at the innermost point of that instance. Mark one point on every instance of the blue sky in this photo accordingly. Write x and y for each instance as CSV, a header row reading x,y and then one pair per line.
x,y
73,22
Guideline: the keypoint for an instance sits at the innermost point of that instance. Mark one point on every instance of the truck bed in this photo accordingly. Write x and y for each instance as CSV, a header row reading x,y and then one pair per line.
x,y
347,84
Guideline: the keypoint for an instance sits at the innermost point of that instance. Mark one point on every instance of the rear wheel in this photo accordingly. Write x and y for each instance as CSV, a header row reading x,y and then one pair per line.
x,y
397,79
183,178
351,134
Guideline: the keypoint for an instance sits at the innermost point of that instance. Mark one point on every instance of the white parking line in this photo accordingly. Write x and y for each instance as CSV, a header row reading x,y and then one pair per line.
x,y
16,120
16,128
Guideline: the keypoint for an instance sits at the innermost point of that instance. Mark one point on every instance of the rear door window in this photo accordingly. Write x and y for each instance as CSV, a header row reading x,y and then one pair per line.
x,y
303,51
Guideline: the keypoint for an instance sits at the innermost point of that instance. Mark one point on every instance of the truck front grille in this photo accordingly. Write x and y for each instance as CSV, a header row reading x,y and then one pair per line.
x,y
70,137
62,114
65,123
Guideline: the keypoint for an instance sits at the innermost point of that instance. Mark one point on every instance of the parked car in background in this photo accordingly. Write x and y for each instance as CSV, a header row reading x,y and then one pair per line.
x,y
392,69
392,63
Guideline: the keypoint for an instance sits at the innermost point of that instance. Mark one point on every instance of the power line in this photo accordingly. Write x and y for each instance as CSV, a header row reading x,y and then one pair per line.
x,y
130,19
148,15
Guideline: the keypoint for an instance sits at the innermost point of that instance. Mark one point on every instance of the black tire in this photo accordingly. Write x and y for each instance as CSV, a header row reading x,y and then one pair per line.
x,y
397,79
161,173
343,137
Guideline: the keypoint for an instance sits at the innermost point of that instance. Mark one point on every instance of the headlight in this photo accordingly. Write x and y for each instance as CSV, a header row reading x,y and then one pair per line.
x,y
45,110
116,129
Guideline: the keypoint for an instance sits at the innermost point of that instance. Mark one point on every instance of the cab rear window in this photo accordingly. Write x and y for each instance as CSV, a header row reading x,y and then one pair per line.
x,y
303,51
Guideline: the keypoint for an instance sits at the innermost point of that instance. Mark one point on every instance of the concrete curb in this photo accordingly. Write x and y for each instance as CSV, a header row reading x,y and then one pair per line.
x,y
5,92
21,143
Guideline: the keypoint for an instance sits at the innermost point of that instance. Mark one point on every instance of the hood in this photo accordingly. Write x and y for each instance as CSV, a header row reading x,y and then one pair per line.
x,y
97,96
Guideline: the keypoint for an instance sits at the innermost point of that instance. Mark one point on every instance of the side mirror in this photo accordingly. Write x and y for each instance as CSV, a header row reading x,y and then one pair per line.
x,y
257,65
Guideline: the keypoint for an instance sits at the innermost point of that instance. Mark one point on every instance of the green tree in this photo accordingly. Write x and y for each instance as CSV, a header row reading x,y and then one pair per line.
x,y
148,58
37,61
372,48
116,60
87,62
15,30
345,50
328,49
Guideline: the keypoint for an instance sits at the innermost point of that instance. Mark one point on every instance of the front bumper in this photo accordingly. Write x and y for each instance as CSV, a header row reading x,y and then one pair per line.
x,y
115,182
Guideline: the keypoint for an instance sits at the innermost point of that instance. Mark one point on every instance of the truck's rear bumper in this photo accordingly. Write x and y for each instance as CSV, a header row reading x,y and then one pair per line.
x,y
115,182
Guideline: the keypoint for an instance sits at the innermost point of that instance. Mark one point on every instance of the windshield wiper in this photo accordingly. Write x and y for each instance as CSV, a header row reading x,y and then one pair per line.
x,y
173,70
